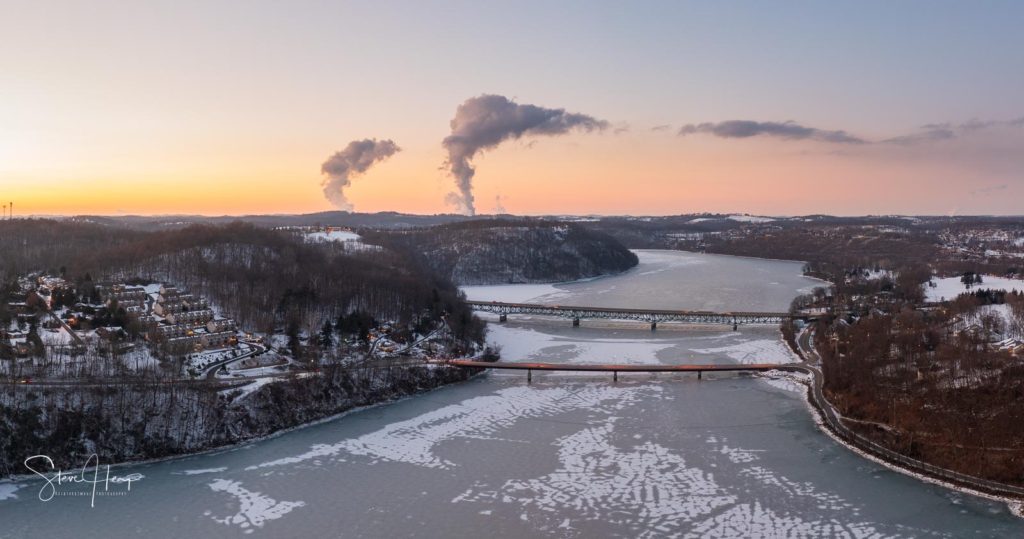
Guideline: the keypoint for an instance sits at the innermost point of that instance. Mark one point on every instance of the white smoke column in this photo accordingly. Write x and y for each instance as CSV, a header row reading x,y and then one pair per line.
x,y
355,159
499,207
484,122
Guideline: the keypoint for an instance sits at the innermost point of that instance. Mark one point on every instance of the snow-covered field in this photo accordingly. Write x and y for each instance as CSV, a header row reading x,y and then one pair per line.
x,y
333,235
740,218
353,242
751,218
950,287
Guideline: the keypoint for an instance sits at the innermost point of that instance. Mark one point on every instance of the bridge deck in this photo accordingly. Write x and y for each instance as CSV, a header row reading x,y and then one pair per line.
x,y
651,316
615,310
617,368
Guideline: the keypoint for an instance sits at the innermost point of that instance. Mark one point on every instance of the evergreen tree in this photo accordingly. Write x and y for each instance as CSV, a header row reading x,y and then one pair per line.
x,y
327,334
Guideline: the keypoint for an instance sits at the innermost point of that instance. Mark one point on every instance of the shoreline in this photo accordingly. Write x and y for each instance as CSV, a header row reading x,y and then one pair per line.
x,y
1015,505
555,284
243,443
748,258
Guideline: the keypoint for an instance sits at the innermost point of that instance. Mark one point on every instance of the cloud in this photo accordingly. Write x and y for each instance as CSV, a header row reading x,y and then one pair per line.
x,y
662,127
484,122
928,133
989,190
975,124
355,159
946,131
785,130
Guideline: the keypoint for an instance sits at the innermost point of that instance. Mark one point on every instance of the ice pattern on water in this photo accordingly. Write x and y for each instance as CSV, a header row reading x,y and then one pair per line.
x,y
254,508
7,490
413,441
652,491
202,471
753,351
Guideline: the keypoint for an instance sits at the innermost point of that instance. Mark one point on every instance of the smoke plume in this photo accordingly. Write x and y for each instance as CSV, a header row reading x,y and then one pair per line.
x,y
354,160
482,123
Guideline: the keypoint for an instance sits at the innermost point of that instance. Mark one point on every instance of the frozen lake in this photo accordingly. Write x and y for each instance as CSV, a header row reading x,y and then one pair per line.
x,y
571,455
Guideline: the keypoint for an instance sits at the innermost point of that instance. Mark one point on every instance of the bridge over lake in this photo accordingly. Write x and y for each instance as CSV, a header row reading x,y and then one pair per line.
x,y
651,316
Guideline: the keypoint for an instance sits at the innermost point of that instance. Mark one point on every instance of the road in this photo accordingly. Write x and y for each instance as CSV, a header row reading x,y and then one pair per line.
x,y
199,382
832,420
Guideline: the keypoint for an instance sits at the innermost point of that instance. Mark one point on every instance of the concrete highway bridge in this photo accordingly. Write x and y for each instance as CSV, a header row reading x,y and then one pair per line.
x,y
651,316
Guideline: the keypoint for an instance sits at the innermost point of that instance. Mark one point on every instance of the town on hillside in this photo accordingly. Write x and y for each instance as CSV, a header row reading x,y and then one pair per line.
x,y
52,329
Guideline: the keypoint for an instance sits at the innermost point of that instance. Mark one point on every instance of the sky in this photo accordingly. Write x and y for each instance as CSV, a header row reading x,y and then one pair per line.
x,y
643,108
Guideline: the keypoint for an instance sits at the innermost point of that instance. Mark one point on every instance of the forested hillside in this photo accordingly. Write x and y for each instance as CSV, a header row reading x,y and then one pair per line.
x,y
266,279
510,251
276,286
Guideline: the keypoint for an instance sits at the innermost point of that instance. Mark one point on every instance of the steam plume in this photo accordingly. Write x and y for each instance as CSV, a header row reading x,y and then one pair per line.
x,y
482,123
355,159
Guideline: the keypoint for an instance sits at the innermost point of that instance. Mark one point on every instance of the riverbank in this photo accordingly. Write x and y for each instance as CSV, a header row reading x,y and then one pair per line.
x,y
10,484
168,422
829,420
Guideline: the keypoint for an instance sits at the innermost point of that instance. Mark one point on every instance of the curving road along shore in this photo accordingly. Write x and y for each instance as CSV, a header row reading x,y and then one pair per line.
x,y
831,420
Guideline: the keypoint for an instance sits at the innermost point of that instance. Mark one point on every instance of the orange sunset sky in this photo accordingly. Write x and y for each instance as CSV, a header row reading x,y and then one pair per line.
x,y
182,107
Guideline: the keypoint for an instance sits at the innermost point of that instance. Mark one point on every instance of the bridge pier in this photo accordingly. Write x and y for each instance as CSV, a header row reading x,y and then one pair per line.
x,y
502,318
654,326
529,376
575,322
699,375
615,376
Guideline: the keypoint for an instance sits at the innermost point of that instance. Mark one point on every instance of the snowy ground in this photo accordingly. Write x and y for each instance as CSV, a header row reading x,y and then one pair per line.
x,y
202,360
740,218
873,275
352,241
251,388
949,288
334,235
56,337
1004,313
